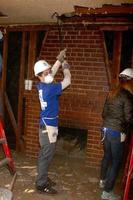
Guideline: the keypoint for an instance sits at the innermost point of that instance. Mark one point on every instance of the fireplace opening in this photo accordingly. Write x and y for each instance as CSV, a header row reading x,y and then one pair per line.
x,y
72,141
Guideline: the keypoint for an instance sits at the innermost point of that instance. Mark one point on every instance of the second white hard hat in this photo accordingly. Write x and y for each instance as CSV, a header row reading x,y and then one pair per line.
x,y
41,66
127,73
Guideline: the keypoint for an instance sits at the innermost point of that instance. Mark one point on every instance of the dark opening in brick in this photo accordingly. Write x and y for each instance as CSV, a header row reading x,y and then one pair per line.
x,y
72,141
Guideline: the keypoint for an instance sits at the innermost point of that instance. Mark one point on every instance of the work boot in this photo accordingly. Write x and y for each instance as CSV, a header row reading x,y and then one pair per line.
x,y
46,190
101,184
109,196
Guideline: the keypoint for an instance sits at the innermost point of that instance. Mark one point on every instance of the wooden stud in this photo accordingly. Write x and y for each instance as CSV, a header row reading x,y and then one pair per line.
x,y
6,102
12,118
21,89
31,54
116,57
4,67
106,60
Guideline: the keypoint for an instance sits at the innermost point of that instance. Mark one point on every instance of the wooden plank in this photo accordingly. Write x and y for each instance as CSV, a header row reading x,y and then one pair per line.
x,y
21,88
105,9
112,18
25,27
4,68
113,28
31,54
97,20
117,47
11,115
106,60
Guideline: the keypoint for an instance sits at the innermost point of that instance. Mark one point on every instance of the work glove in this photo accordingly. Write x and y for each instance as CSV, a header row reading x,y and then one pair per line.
x,y
62,55
65,65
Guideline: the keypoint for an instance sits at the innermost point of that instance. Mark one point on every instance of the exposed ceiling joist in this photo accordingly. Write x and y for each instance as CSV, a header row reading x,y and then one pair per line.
x,y
106,15
105,10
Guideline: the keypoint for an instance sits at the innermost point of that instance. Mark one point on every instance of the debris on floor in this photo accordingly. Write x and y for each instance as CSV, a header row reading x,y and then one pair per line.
x,y
75,181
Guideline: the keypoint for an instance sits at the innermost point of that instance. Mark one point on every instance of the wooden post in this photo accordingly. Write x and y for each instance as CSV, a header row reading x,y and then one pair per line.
x,y
5,100
21,89
106,59
31,54
4,68
116,57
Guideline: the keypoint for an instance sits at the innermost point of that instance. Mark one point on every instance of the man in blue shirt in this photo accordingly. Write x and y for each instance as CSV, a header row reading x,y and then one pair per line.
x,y
49,93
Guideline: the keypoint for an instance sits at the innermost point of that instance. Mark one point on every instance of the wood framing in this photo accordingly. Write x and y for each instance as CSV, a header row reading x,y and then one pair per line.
x,y
21,89
31,54
5,54
106,10
22,28
17,125
6,103
115,68
114,28
108,70
12,119
105,15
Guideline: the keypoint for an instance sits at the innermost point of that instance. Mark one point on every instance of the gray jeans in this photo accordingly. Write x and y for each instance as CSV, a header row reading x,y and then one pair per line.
x,y
45,156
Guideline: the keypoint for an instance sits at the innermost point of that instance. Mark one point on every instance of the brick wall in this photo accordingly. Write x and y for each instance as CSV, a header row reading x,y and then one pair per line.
x,y
81,104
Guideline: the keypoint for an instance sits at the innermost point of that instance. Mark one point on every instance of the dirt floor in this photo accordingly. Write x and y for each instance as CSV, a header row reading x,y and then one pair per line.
x,y
74,180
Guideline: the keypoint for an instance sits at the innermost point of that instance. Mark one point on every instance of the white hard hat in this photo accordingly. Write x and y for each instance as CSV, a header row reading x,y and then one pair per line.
x,y
40,66
127,73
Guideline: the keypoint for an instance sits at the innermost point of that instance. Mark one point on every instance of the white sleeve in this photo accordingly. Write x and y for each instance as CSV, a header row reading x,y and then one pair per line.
x,y
67,79
55,67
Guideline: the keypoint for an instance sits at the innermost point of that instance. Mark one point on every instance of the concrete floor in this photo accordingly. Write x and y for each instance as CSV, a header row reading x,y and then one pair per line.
x,y
74,180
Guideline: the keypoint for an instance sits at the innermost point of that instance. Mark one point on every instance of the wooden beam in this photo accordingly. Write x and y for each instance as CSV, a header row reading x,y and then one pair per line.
x,y
107,14
113,28
96,20
106,60
31,54
12,118
4,67
111,18
117,47
25,27
105,9
21,88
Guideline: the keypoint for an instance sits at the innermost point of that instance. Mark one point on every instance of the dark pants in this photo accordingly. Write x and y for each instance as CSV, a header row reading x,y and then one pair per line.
x,y
113,154
44,159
